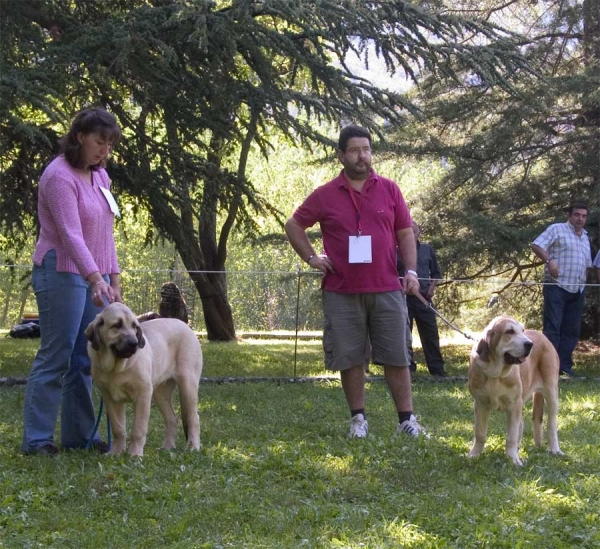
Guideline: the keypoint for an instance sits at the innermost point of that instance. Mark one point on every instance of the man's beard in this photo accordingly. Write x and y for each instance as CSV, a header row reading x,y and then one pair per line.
x,y
355,172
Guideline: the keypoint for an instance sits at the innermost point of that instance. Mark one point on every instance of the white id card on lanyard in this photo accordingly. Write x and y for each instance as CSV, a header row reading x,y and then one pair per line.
x,y
359,249
111,201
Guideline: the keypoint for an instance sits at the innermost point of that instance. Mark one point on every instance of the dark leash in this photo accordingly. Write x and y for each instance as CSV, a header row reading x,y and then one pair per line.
x,y
430,306
90,441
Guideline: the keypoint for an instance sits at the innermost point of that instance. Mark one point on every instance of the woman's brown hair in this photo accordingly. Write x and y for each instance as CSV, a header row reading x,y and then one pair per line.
x,y
91,120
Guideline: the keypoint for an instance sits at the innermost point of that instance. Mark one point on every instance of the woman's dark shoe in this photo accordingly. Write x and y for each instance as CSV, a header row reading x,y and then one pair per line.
x,y
100,447
47,449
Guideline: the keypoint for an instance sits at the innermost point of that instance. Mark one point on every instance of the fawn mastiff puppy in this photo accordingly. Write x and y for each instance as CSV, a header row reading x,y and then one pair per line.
x,y
507,367
133,362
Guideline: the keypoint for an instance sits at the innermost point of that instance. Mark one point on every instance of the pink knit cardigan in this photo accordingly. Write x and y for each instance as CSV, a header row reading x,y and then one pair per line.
x,y
75,220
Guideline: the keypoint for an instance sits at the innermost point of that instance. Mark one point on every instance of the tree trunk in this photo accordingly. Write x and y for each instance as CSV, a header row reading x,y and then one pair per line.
x,y
200,257
211,285
3,320
212,289
218,316
590,326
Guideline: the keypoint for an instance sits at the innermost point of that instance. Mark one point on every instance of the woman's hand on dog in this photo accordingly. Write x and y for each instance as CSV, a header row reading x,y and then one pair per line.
x,y
103,293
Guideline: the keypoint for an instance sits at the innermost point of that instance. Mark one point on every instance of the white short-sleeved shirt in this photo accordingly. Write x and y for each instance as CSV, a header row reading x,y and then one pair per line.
x,y
572,253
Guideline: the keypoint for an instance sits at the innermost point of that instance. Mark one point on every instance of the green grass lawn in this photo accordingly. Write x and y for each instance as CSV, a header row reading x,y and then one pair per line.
x,y
281,358
277,470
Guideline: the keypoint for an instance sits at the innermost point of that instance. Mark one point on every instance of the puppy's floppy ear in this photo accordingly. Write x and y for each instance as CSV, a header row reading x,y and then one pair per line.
x,y
91,332
493,337
483,350
140,336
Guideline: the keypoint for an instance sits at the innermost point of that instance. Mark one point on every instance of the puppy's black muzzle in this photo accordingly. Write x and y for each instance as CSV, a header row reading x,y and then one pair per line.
x,y
125,348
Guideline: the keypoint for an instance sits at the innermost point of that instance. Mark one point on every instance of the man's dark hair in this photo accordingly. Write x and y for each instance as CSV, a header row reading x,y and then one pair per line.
x,y
578,206
348,132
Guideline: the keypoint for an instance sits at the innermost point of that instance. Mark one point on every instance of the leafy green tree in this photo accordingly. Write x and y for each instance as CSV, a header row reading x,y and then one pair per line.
x,y
194,83
514,160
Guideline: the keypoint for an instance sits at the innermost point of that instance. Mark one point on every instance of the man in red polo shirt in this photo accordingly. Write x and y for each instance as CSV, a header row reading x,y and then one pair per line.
x,y
363,218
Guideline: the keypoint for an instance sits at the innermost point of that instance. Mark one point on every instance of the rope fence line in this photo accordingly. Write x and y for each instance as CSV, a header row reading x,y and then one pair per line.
x,y
271,301
306,272
300,272
294,306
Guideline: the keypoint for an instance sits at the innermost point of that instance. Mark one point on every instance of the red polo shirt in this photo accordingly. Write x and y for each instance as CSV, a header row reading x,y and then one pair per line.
x,y
383,211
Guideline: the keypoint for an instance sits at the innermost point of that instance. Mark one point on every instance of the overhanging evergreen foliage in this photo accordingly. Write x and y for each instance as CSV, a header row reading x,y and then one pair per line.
x,y
195,83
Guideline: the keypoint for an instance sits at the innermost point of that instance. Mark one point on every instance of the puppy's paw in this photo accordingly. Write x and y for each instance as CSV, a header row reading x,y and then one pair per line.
x,y
516,460
195,446
475,450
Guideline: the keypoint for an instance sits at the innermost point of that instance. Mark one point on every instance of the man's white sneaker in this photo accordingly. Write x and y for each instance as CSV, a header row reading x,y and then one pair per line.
x,y
359,427
412,427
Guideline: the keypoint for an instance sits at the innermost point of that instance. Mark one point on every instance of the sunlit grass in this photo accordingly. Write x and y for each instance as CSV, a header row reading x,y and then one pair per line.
x,y
257,357
277,470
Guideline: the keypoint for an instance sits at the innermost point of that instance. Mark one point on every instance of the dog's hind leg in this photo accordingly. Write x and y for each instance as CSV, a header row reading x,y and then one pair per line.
x,y
163,398
537,417
551,397
188,394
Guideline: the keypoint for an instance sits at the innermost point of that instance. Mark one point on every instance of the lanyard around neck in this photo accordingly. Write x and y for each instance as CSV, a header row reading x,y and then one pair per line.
x,y
357,206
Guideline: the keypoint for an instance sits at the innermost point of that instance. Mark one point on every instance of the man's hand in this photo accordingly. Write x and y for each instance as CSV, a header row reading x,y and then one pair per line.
x,y
553,268
410,283
322,263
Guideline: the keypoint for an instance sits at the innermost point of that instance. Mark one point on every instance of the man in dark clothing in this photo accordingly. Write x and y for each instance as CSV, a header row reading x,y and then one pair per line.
x,y
428,272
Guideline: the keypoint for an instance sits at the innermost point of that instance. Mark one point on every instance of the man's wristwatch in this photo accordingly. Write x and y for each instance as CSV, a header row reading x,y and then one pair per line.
x,y
310,257
410,271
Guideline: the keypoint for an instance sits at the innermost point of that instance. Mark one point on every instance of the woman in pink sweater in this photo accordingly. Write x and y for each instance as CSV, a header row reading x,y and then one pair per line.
x,y
75,273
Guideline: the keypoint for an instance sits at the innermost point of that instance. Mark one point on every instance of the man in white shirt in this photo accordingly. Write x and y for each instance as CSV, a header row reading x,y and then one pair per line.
x,y
565,250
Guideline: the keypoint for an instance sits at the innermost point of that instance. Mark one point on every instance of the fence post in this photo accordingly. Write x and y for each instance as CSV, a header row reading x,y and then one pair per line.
x,y
297,318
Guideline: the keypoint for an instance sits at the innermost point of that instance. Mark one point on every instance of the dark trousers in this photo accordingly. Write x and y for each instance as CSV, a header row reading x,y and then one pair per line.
x,y
562,322
428,332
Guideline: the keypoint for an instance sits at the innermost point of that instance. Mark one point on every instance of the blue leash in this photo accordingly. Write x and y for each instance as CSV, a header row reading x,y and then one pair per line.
x,y
90,441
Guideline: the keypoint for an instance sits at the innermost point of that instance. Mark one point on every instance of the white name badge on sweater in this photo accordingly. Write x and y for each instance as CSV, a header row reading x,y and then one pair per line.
x,y
359,249
111,201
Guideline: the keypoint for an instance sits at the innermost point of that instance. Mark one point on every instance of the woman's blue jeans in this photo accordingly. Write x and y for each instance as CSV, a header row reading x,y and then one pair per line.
x,y
562,321
60,377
